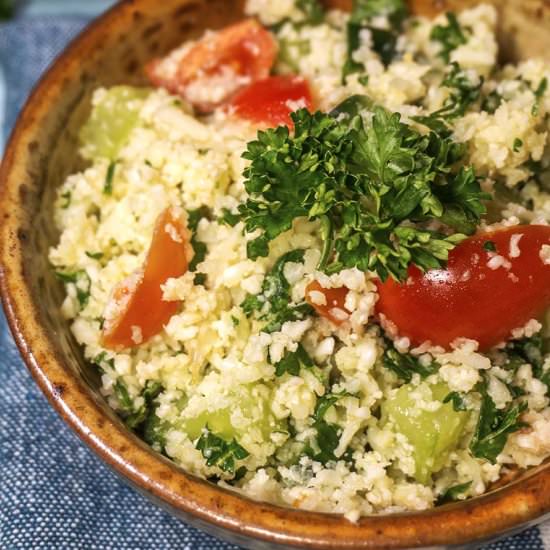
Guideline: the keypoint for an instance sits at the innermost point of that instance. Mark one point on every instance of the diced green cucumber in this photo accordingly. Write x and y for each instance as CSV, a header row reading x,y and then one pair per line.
x,y
252,406
433,434
111,121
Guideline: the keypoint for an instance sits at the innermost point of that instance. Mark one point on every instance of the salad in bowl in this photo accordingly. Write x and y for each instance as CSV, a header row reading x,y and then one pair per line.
x,y
311,261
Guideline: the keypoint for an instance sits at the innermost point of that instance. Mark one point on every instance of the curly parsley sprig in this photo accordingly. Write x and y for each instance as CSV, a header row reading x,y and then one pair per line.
x,y
366,184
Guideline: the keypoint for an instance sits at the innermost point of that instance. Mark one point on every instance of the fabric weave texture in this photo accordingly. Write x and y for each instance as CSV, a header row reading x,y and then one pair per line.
x,y
54,492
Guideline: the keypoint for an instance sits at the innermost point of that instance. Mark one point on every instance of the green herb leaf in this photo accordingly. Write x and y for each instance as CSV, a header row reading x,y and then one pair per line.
x,y
313,11
327,437
273,304
491,102
67,197
539,92
528,351
365,10
494,426
463,93
123,397
457,399
102,360
450,36
405,365
293,361
94,255
154,430
352,107
325,402
219,452
200,279
109,177
367,182
454,493
490,246
463,200
518,144
228,218
199,248
384,40
327,441
135,417
82,283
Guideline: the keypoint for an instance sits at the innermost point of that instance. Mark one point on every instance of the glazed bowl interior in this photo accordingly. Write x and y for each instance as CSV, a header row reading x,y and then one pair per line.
x,y
43,151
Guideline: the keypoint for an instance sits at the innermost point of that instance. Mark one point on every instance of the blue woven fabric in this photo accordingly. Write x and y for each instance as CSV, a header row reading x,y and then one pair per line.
x,y
54,492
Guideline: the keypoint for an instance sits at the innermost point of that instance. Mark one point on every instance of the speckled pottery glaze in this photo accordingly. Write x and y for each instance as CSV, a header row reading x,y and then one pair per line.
x,y
43,150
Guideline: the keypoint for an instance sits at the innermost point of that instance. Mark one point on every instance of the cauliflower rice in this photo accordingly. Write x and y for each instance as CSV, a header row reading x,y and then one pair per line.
x,y
207,385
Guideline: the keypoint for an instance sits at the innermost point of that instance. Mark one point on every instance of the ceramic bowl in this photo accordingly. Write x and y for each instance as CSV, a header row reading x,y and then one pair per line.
x,y
43,150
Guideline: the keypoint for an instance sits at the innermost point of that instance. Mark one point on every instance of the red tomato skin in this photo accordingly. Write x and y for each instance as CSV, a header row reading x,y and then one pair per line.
x,y
267,101
335,298
141,293
245,47
469,299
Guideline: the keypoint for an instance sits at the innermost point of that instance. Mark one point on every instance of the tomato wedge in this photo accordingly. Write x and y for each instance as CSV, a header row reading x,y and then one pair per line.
x,y
136,310
482,294
271,100
217,66
331,305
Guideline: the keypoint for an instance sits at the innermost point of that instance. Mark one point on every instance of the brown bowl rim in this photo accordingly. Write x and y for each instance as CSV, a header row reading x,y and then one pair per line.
x,y
505,510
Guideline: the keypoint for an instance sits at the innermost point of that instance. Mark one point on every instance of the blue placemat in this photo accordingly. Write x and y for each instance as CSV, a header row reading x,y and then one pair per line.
x,y
54,492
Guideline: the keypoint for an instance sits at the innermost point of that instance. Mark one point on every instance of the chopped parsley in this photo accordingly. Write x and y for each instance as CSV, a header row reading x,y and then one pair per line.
x,y
405,365
494,426
200,279
66,202
326,401
539,92
273,304
327,438
289,49
228,218
313,10
366,184
457,399
109,177
490,246
199,248
454,493
518,144
384,40
528,351
82,282
463,93
450,36
219,452
293,361
134,417
154,430
101,360
94,255
491,102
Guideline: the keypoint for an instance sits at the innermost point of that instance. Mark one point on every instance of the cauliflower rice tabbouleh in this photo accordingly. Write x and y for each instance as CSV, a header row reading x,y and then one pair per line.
x,y
340,309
